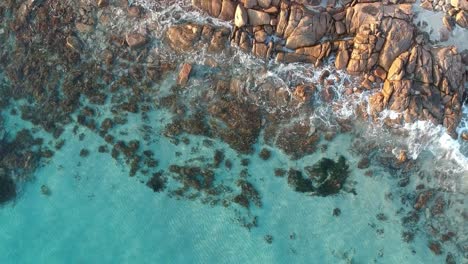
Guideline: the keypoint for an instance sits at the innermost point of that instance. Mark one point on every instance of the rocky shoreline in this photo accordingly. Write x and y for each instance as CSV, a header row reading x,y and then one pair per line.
x,y
67,62
372,39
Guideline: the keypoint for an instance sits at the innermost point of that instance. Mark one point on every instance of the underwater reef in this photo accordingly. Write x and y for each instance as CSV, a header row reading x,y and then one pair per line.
x,y
196,99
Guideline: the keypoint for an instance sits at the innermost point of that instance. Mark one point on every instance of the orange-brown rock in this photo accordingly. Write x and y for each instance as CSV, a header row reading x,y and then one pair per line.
x,y
240,18
462,19
304,92
228,9
342,56
136,40
397,70
213,7
183,37
184,74
422,199
306,28
399,39
258,18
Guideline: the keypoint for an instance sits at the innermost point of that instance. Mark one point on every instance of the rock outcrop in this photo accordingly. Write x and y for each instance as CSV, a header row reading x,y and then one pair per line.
x,y
375,39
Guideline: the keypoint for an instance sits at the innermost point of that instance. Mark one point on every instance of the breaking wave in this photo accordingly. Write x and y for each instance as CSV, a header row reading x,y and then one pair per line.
x,y
421,137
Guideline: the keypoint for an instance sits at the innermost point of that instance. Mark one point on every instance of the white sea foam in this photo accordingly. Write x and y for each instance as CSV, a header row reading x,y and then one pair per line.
x,y
422,135
464,122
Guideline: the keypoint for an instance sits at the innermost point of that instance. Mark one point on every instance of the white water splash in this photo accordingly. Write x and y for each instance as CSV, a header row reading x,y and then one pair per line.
x,y
422,135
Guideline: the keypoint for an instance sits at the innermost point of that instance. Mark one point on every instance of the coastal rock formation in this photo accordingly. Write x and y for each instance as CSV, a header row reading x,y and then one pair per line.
x,y
162,86
187,37
372,38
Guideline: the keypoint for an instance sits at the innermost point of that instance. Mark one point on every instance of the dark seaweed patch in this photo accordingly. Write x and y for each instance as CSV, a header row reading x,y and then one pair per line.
x,y
7,189
329,175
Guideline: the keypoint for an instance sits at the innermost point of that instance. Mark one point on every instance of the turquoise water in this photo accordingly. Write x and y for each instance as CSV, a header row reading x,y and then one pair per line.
x,y
89,208
96,213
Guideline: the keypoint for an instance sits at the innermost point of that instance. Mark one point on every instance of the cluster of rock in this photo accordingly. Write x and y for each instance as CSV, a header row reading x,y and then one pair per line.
x,y
456,11
373,39
19,157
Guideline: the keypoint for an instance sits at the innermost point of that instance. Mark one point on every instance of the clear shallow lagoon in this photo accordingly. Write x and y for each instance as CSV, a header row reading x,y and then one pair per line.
x,y
96,213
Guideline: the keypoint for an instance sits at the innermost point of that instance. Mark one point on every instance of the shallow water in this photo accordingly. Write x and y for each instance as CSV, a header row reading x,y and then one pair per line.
x,y
94,212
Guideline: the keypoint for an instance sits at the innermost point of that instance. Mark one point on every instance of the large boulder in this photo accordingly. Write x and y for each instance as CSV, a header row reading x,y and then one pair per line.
x,y
399,39
228,9
342,57
400,98
249,3
258,18
213,7
282,20
367,45
222,9
311,28
462,19
264,3
188,37
363,14
315,53
397,70
240,18
461,4
449,65
236,123
423,69
182,38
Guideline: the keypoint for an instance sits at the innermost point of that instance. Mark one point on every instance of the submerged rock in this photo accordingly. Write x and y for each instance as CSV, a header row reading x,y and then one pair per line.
x,y
298,182
336,212
184,74
7,188
74,44
157,183
218,158
248,192
329,176
268,239
435,247
45,190
136,40
298,140
265,154
236,123
422,199
364,163
464,135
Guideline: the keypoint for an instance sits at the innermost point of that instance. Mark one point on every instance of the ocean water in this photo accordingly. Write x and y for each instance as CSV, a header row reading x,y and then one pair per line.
x,y
93,212
96,213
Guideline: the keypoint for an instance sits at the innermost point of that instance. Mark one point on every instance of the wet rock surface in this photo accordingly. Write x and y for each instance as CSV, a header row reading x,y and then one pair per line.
x,y
383,41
